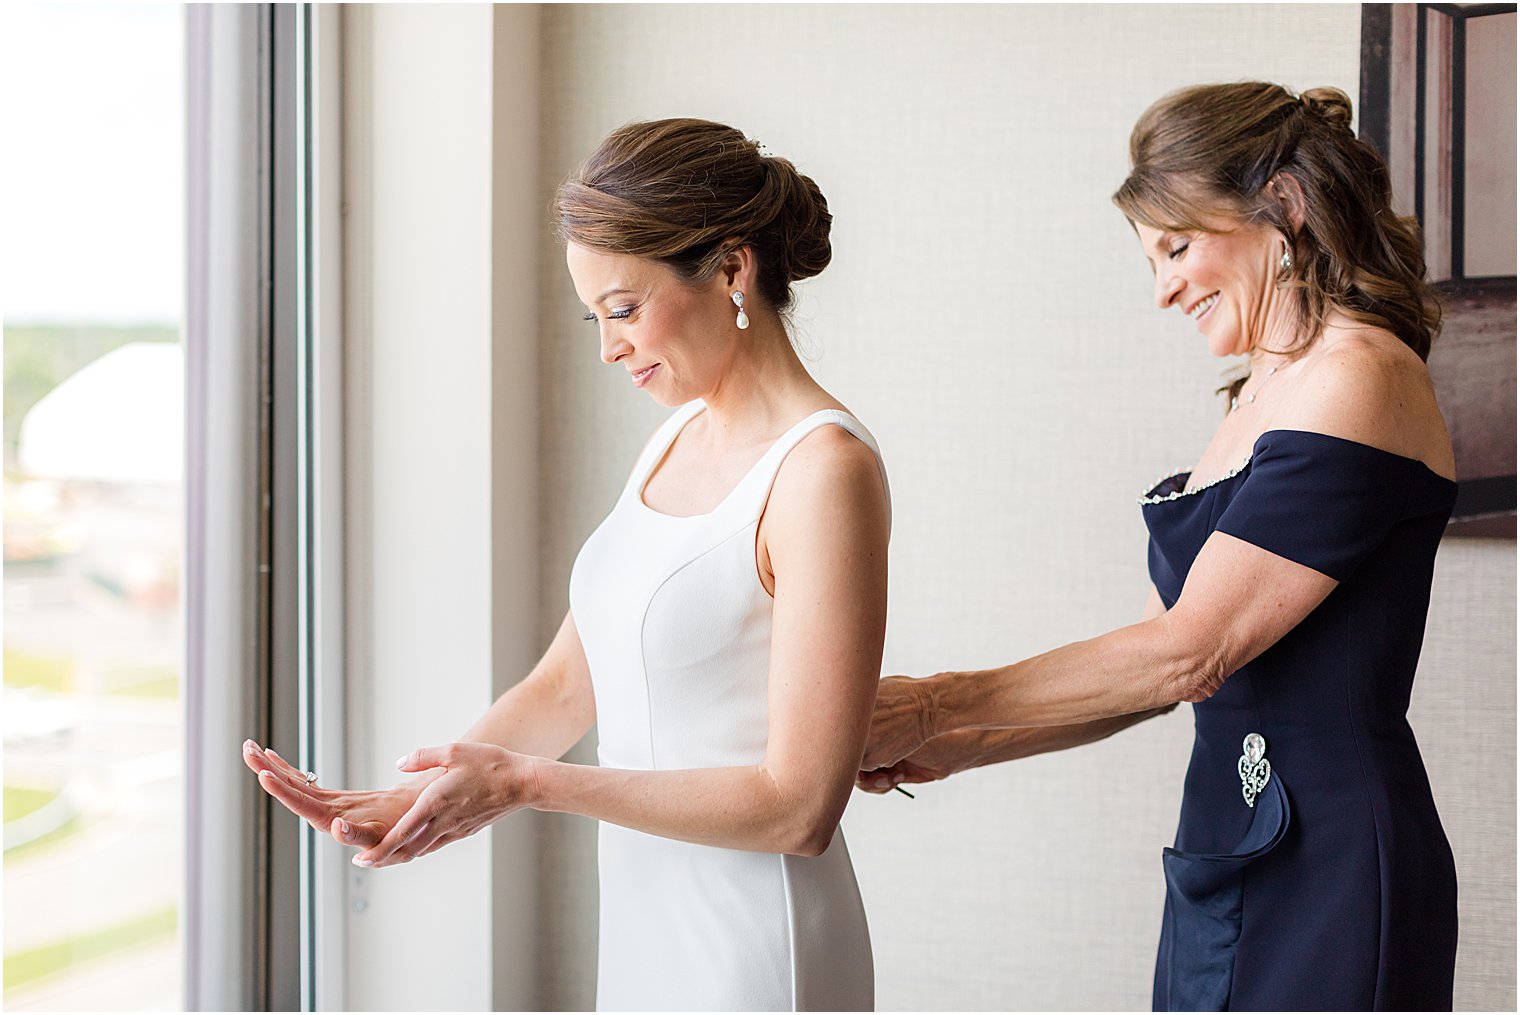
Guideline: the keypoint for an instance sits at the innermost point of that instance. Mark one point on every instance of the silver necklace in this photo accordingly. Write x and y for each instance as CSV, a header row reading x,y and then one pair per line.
x,y
1235,400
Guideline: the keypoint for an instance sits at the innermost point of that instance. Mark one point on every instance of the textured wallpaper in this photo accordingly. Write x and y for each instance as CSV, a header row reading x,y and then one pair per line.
x,y
988,315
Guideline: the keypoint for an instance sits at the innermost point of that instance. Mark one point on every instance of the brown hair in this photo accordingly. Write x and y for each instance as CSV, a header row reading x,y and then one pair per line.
x,y
1212,149
687,192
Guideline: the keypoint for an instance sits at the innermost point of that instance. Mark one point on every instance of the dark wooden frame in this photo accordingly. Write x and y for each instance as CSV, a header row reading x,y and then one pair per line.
x,y
1486,503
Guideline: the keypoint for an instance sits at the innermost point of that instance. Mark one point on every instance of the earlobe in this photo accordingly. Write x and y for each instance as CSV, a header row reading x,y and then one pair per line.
x,y
735,262
1285,188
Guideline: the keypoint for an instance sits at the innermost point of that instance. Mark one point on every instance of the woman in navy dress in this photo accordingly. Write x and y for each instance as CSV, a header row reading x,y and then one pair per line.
x,y
1292,569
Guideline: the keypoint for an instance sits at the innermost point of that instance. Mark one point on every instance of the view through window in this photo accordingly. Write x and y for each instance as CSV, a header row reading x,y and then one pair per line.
x,y
93,435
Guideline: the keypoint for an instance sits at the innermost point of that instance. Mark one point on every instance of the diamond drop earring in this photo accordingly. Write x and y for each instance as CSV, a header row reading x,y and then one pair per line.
x,y
1286,261
743,319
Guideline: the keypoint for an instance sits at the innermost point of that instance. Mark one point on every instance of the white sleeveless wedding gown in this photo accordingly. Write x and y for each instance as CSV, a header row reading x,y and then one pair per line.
x,y
677,628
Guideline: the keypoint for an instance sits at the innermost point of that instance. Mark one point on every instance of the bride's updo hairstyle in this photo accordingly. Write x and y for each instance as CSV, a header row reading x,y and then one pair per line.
x,y
1209,151
687,192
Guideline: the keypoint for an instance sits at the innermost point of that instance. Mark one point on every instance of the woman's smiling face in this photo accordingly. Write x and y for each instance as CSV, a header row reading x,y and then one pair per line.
x,y
673,337
1225,281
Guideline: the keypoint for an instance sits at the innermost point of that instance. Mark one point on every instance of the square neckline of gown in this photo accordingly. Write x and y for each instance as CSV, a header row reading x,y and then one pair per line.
x,y
643,483
1151,496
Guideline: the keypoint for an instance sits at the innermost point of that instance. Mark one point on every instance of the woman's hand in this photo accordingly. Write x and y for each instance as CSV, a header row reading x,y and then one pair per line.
x,y
353,817
901,723
937,759
475,785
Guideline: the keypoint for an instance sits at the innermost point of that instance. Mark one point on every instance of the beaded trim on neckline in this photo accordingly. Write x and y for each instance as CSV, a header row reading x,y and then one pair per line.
x,y
1146,499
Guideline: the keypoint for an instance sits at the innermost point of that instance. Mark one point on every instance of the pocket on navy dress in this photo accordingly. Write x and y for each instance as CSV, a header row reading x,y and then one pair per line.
x,y
1201,924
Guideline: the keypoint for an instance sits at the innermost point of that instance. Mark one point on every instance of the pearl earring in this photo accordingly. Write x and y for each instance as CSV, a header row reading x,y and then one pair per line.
x,y
1286,261
743,319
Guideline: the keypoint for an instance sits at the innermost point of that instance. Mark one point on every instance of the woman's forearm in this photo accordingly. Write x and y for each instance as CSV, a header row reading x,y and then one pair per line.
x,y
991,746
535,717
550,709
736,808
1132,670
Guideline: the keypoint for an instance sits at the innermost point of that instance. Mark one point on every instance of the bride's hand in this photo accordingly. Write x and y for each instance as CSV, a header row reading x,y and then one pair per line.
x,y
475,784
353,817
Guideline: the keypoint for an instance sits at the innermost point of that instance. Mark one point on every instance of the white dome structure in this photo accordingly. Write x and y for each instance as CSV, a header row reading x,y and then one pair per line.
x,y
120,419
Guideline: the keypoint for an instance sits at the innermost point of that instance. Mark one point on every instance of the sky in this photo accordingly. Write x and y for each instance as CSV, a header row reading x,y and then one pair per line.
x,y
92,181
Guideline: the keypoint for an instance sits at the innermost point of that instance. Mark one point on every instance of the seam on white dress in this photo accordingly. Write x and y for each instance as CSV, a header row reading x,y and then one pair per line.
x,y
791,931
644,622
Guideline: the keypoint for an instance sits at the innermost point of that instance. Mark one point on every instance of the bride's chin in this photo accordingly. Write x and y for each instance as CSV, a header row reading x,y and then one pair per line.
x,y
669,397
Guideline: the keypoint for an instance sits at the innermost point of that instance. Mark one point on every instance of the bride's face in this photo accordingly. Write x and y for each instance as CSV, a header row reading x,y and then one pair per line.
x,y
673,338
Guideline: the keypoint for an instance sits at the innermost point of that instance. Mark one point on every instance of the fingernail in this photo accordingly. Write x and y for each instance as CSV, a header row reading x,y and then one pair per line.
x,y
401,761
363,863
343,827
248,745
881,782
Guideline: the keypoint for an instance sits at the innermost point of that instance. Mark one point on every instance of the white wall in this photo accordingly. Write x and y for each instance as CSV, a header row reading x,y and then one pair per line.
x,y
442,231
988,316
517,222
418,113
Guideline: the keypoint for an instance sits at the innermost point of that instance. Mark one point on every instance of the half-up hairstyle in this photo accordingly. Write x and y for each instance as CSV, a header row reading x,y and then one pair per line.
x,y
686,193
1211,150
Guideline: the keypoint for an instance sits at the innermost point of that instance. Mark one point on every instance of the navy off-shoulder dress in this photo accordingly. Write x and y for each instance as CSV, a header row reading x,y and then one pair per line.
x,y
1310,869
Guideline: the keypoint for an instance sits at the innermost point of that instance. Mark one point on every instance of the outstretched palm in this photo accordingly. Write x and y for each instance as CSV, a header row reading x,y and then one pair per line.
x,y
353,817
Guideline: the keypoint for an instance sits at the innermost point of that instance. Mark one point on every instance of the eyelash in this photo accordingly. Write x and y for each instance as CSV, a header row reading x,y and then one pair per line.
x,y
616,315
1177,251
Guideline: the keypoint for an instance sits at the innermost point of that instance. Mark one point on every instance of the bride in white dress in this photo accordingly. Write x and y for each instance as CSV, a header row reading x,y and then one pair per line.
x,y
726,619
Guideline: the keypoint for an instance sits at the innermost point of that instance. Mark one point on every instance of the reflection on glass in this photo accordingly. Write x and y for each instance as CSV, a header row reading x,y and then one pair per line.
x,y
93,436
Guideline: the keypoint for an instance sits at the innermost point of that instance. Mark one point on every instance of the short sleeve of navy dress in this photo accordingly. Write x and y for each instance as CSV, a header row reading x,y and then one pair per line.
x,y
1310,869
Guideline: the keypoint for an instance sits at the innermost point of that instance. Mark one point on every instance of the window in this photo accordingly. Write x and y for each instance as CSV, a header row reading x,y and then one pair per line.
x,y
93,437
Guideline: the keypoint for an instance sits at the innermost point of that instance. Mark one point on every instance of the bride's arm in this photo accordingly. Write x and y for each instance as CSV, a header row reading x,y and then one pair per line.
x,y
548,711
826,537
826,534
544,714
